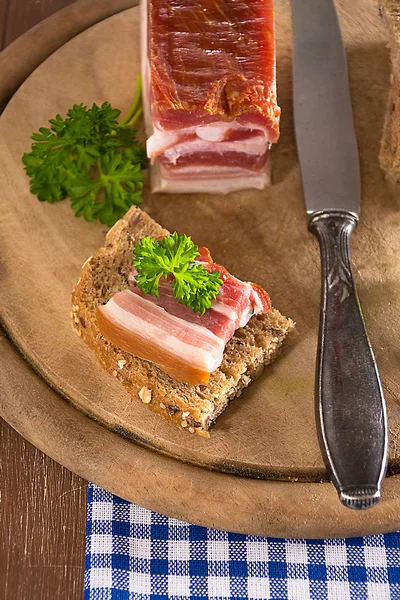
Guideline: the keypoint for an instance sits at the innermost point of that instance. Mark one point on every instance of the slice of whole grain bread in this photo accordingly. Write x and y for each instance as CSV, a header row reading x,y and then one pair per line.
x,y
191,407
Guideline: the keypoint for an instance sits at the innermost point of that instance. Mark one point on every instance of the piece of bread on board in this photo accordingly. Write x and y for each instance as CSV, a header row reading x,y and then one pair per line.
x,y
390,146
191,407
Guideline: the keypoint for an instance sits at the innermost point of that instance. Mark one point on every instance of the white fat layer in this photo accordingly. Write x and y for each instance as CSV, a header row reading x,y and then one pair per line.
x,y
213,133
224,309
252,147
246,315
256,301
159,142
206,172
253,307
193,355
213,180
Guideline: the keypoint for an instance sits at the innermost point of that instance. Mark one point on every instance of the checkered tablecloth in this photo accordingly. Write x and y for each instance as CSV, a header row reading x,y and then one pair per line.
x,y
135,554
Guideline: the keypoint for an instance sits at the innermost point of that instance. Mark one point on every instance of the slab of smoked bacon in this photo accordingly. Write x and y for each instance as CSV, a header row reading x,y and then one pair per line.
x,y
209,73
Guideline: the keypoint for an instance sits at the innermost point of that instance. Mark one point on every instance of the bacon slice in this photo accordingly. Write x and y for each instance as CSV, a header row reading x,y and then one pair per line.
x,y
186,345
184,350
208,71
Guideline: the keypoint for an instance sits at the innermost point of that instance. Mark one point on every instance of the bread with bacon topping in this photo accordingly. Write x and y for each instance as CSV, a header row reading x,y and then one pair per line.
x,y
193,407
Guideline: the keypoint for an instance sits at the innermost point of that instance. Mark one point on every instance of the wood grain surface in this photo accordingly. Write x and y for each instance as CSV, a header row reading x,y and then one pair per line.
x,y
3,21
168,486
385,520
23,55
44,247
58,244
20,15
42,524
42,505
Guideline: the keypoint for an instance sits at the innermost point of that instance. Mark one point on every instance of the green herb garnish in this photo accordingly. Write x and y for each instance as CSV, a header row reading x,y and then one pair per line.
x,y
90,158
174,256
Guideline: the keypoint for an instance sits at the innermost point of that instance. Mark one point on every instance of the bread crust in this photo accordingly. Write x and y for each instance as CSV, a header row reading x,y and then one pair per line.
x,y
194,408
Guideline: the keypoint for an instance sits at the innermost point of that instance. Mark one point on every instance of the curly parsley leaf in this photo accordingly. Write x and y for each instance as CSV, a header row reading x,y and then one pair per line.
x,y
90,158
174,256
108,197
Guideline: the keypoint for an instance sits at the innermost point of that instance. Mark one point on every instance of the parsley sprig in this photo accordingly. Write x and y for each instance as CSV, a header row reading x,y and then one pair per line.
x,y
92,159
175,256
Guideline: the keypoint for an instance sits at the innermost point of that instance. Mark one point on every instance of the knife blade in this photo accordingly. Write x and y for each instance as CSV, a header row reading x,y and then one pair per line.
x,y
350,406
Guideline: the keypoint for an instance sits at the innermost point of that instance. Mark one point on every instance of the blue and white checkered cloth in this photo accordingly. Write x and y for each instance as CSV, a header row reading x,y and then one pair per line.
x,y
135,554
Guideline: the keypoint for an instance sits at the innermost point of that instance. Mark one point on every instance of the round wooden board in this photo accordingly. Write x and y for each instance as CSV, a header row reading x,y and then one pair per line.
x,y
43,247
207,498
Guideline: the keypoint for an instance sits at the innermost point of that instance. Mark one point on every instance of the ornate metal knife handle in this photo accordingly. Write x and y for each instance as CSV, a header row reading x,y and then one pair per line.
x,y
351,412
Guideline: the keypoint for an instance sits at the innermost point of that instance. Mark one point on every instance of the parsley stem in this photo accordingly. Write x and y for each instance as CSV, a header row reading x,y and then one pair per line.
x,y
135,104
135,117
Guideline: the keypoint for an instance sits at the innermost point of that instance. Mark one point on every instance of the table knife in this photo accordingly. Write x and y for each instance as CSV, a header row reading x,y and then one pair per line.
x,y
350,406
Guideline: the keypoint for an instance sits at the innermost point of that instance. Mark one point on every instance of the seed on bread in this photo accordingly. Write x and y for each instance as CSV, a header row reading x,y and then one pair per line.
x,y
145,395
202,433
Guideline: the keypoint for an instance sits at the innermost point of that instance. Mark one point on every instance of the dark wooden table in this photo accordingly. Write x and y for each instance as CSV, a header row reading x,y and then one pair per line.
x,y
42,505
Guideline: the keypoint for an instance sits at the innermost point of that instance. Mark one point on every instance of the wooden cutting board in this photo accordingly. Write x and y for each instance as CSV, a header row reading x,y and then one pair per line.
x,y
269,432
